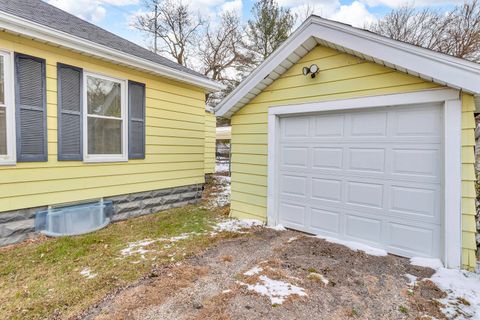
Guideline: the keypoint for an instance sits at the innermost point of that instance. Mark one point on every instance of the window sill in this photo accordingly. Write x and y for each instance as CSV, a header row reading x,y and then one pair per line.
x,y
7,163
103,159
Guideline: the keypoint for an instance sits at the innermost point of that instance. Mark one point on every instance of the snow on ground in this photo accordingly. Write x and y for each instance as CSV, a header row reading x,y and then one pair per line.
x,y
356,246
276,290
221,166
462,289
87,273
426,262
278,227
234,225
411,278
222,196
463,293
137,248
255,270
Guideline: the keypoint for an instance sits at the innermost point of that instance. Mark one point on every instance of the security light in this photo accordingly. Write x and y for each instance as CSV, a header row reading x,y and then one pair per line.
x,y
313,70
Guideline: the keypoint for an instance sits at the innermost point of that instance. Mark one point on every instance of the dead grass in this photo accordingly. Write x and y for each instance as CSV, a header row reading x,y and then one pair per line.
x,y
41,279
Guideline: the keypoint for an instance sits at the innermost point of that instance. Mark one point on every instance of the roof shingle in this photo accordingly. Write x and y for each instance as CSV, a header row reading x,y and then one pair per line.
x,y
45,14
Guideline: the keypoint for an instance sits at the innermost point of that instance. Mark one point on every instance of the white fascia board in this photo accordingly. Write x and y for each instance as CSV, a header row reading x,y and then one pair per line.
x,y
274,60
455,72
16,25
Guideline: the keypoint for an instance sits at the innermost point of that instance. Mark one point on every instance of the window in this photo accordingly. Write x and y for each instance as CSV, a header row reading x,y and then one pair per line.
x,y
7,109
105,124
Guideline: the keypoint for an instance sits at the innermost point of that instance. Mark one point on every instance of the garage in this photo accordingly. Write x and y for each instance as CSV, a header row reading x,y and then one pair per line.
x,y
349,135
372,176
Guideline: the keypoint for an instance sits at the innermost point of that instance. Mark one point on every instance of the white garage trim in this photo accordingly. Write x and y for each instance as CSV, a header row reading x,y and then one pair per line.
x,y
452,153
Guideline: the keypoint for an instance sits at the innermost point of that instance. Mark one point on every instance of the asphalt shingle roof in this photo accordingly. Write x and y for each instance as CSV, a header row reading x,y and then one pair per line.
x,y
45,14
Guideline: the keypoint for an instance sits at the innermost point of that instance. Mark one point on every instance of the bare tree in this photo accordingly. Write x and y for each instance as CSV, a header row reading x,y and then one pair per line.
x,y
455,33
305,12
462,34
222,53
173,23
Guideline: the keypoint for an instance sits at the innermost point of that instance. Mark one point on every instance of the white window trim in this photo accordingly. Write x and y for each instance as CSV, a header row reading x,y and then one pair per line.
x,y
452,233
123,157
11,157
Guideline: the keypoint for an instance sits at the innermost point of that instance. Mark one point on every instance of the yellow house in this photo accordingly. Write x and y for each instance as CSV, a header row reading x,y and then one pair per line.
x,y
347,134
86,116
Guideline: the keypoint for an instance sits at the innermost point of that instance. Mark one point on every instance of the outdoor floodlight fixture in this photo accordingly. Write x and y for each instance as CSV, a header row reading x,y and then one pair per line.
x,y
313,70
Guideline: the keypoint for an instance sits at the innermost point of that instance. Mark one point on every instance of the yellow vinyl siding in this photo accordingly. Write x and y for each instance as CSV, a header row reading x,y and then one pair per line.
x,y
469,245
210,142
175,142
341,76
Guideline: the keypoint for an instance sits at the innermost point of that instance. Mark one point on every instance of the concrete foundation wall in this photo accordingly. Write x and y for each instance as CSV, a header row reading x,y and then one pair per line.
x,y
18,225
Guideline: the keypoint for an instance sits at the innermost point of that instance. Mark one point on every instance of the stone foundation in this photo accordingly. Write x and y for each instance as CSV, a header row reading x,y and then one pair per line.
x,y
18,225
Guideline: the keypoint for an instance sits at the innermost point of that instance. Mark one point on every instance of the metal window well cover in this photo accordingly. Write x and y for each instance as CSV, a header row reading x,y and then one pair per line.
x,y
74,220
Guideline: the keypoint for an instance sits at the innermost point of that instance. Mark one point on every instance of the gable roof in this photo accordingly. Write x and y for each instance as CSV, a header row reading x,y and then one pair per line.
x,y
41,21
427,64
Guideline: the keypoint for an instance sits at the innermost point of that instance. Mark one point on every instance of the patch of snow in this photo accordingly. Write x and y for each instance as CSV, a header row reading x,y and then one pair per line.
x,y
255,270
87,273
411,278
356,246
276,290
222,166
278,227
222,196
292,239
226,291
234,225
138,247
426,262
460,285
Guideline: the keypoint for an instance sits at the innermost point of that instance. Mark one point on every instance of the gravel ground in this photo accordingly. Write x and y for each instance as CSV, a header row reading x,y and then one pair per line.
x,y
330,281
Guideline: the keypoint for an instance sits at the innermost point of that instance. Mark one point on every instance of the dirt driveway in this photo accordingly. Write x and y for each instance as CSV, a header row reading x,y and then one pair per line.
x,y
268,274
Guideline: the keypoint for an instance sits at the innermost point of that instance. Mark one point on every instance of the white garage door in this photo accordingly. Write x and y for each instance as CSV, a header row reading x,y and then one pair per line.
x,y
371,176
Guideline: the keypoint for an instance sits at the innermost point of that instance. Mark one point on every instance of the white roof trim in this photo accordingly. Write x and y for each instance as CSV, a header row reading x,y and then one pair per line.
x,y
441,68
17,25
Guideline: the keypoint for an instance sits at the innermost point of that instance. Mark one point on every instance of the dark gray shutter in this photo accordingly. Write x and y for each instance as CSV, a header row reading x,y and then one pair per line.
x,y
69,80
136,120
31,108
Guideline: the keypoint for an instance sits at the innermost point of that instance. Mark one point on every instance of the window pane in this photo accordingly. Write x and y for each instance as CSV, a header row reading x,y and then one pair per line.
x,y
104,136
2,81
3,132
103,97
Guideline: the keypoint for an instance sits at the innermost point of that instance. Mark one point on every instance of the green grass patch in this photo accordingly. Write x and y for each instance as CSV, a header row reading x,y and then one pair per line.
x,y
42,280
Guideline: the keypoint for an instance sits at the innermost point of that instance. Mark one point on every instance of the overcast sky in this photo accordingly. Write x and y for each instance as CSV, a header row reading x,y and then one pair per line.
x,y
115,15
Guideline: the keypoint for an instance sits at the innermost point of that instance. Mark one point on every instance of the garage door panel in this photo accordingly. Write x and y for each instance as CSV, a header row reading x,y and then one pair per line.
x,y
329,126
294,156
417,162
293,185
415,202
368,124
327,221
326,189
363,228
366,159
372,176
327,158
292,214
296,127
369,195
413,240
419,123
